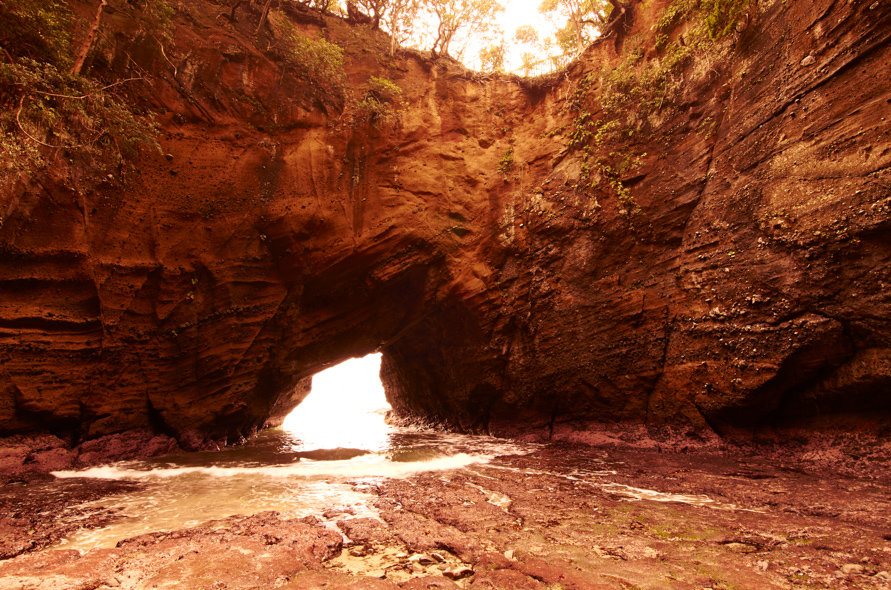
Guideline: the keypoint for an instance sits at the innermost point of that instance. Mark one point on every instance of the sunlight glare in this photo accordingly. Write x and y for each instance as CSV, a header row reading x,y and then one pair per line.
x,y
345,408
516,14
523,12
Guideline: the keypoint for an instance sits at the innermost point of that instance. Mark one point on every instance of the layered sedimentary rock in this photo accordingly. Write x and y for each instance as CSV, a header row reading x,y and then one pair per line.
x,y
733,277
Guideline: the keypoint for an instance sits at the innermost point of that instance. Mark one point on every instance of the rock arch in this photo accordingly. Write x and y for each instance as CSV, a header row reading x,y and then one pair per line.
x,y
195,293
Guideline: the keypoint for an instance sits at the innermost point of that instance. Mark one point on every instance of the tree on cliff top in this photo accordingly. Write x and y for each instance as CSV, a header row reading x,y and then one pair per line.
x,y
584,21
474,17
399,17
492,57
373,8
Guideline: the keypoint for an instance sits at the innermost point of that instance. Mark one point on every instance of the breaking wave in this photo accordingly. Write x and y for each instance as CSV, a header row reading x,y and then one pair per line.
x,y
364,466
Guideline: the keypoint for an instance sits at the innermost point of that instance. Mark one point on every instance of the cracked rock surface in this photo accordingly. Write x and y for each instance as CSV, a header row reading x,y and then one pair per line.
x,y
567,515
729,281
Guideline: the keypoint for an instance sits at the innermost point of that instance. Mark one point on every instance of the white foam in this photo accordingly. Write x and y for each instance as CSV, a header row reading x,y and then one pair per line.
x,y
642,494
371,465
174,496
503,501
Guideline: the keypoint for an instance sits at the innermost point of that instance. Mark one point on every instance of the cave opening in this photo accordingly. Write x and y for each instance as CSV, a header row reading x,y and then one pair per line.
x,y
345,409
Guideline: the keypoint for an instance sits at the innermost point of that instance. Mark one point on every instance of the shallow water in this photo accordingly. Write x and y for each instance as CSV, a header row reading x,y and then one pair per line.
x,y
322,460
282,470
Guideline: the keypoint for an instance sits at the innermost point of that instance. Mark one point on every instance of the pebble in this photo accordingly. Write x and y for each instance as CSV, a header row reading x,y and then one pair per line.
x,y
761,565
509,554
422,559
438,557
852,568
808,61
457,573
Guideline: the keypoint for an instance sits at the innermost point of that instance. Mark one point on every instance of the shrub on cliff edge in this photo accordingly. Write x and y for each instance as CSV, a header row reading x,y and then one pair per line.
x,y
380,102
317,61
45,110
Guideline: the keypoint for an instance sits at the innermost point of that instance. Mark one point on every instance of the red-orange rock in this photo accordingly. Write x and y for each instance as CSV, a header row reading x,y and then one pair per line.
x,y
739,281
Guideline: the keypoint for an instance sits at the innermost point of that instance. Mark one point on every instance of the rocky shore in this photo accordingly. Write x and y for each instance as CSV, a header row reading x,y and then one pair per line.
x,y
566,516
677,234
683,234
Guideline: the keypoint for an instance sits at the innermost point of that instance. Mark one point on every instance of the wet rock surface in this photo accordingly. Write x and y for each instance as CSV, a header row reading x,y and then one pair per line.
x,y
39,515
738,280
565,516
31,457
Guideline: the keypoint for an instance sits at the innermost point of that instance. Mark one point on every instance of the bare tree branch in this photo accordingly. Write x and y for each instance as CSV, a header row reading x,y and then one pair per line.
x,y
18,121
164,53
98,90
234,7
88,41
263,16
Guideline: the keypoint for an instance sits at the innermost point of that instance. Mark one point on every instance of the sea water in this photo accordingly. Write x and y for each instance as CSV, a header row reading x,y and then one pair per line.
x,y
295,472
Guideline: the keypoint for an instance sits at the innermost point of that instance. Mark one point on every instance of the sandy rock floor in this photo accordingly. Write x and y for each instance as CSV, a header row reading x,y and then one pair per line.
x,y
564,517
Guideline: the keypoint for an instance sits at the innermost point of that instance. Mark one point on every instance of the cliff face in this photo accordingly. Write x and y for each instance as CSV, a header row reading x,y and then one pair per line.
x,y
719,267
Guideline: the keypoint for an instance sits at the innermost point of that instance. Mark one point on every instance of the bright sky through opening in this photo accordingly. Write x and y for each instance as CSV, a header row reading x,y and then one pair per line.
x,y
345,408
516,14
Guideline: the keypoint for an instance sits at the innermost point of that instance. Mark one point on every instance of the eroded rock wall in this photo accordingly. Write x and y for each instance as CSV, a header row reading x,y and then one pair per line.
x,y
278,233
745,292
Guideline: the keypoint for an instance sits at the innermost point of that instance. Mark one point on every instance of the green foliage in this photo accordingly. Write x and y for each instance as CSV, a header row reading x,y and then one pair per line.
x,y
629,94
380,102
626,96
674,13
712,19
46,109
157,16
36,29
317,61
611,176
492,57
623,84
387,90
644,87
632,94
506,164
722,16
